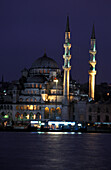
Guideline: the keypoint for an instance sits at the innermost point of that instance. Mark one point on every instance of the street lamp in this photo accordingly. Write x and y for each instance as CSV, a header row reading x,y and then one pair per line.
x,y
56,81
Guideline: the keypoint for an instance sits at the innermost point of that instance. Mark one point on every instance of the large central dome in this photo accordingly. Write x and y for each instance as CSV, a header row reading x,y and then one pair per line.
x,y
44,62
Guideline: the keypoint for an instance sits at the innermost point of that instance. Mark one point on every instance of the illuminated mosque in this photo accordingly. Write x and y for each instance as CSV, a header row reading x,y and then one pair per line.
x,y
44,92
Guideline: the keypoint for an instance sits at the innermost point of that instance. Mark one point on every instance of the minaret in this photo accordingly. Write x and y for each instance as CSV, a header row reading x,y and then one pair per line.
x,y
66,66
92,62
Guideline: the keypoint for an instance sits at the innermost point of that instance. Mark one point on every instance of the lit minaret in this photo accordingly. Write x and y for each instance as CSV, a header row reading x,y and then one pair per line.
x,y
92,62
66,66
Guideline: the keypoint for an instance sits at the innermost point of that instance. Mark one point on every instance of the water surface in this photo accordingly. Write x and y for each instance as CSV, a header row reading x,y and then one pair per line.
x,y
55,151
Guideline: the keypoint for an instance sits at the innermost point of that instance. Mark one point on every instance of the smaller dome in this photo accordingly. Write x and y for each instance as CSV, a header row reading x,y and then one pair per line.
x,y
36,79
44,62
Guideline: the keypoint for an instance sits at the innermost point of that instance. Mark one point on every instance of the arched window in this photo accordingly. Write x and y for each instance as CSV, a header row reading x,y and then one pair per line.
x,y
44,71
20,100
46,113
37,107
40,85
52,113
31,91
27,100
36,86
34,107
21,107
31,115
31,107
40,71
25,107
31,100
17,107
32,85
58,110
38,116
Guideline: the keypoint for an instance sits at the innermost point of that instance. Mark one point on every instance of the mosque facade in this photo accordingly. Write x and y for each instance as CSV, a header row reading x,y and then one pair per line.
x,y
43,92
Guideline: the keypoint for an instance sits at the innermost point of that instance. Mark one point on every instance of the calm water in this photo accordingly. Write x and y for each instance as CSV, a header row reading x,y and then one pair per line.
x,y
54,151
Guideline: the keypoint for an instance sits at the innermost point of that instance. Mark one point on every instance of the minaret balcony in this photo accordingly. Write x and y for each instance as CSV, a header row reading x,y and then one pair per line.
x,y
92,63
66,68
92,72
68,57
67,45
92,52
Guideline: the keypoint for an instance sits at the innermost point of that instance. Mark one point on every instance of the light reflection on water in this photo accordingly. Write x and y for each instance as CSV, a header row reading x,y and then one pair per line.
x,y
58,133
55,150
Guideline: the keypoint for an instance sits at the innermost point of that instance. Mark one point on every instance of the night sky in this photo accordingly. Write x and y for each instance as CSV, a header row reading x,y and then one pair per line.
x,y
27,27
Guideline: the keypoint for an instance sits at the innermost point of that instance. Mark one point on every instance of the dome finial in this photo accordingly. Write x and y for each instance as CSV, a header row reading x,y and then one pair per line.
x,y
45,52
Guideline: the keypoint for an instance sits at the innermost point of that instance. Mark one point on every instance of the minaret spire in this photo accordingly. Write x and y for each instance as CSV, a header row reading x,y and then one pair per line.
x,y
67,25
92,63
93,33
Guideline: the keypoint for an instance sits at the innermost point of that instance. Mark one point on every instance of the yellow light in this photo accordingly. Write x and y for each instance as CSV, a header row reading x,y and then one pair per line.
x,y
27,116
34,107
34,116
107,94
31,107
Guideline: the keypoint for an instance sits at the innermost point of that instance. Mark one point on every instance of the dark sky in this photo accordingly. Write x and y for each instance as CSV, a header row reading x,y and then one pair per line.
x,y
27,27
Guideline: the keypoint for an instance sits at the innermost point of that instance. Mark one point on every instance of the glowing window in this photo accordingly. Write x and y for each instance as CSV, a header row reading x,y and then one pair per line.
x,y
21,107
32,85
27,116
47,71
36,86
34,107
31,107
46,113
37,107
21,117
31,100
40,71
31,91
25,107
34,117
17,107
44,71
40,86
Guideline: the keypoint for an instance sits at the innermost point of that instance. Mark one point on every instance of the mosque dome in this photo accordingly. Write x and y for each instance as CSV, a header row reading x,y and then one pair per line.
x,y
36,79
45,62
